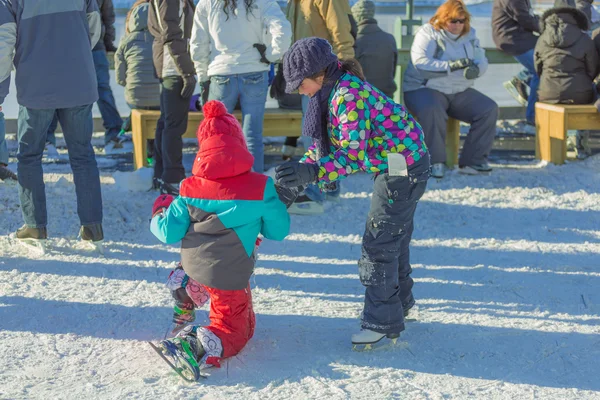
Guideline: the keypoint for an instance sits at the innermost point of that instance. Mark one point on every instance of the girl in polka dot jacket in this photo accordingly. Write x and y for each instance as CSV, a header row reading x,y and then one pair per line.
x,y
355,127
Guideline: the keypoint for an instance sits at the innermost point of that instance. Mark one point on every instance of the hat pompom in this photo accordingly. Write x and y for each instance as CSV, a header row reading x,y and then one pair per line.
x,y
214,109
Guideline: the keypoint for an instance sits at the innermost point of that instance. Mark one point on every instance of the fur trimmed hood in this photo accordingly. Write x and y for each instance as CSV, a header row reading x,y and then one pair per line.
x,y
579,17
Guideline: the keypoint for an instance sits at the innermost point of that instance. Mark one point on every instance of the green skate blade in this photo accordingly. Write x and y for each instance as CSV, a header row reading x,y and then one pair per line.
x,y
173,367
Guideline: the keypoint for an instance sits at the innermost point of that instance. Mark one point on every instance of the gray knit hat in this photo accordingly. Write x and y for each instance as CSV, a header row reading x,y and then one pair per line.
x,y
305,58
362,10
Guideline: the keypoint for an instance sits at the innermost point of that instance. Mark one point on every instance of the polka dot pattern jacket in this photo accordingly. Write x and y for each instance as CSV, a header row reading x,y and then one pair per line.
x,y
364,125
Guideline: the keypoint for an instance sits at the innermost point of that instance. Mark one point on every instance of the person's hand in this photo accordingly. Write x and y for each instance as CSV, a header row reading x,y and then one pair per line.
x,y
471,72
596,104
110,47
287,195
204,89
262,49
460,64
0,108
189,84
294,174
161,203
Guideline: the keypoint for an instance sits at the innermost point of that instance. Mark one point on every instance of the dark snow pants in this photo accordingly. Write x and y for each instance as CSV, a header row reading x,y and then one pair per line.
x,y
384,266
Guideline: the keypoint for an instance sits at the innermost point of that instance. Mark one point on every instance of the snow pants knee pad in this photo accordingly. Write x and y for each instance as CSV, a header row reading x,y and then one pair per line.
x,y
187,292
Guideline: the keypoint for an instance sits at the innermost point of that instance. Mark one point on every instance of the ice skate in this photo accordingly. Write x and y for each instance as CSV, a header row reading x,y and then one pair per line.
x,y
182,355
93,236
367,339
182,317
33,238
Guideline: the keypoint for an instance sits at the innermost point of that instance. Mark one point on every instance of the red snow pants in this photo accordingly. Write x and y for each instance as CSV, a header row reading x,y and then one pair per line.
x,y
231,318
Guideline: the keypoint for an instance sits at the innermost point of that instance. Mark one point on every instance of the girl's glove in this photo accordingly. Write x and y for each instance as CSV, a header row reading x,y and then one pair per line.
x,y
460,64
161,203
294,174
471,72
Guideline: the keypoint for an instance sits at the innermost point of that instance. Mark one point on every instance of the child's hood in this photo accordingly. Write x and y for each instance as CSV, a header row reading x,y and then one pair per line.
x,y
563,26
222,156
138,20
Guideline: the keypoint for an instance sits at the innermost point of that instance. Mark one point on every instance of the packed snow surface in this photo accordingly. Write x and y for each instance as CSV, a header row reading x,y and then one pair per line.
x,y
507,285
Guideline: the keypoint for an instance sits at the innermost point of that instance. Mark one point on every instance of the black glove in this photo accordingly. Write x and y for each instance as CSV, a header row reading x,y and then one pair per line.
x,y
189,84
294,174
110,47
287,195
262,51
204,89
471,72
460,64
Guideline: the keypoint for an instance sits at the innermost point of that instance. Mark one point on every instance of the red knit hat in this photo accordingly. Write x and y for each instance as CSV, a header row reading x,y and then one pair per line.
x,y
217,121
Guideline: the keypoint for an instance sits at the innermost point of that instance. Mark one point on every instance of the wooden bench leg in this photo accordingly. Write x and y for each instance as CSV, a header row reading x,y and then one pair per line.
x,y
139,143
452,142
551,135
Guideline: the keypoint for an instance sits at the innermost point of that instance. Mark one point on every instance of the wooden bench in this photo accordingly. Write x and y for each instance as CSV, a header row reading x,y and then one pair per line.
x,y
277,122
552,121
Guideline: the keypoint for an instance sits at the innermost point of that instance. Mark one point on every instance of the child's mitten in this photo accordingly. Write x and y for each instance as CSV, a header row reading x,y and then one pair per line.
x,y
161,203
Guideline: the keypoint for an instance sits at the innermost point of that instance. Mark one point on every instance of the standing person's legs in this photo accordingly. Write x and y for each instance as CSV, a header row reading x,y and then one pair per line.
x,y
160,127
51,136
78,127
3,146
32,130
174,111
384,268
253,96
526,59
429,107
106,101
225,89
481,112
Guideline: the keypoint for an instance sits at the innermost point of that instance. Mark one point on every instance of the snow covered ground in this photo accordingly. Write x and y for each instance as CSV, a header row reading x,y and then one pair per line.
x,y
507,275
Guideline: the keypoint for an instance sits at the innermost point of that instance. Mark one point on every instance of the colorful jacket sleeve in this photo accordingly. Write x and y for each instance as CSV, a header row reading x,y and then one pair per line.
x,y
173,224
276,220
8,38
353,137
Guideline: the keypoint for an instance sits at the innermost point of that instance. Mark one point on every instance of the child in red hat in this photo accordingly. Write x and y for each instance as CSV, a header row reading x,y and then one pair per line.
x,y
217,216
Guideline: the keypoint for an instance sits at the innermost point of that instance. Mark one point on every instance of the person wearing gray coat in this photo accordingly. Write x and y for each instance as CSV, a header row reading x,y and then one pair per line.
x,y
376,50
134,68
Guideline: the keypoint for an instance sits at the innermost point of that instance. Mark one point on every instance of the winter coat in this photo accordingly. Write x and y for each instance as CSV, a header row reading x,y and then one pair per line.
x,y
107,37
52,52
377,53
513,26
565,58
219,213
364,126
170,22
430,54
326,19
222,44
133,62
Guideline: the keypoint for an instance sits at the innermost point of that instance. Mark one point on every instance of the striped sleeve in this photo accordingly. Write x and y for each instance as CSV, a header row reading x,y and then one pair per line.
x,y
8,38
94,21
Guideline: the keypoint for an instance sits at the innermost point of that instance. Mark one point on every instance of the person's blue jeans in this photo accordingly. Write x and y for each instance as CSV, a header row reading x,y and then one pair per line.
x,y
312,191
77,127
251,89
106,102
526,59
51,137
3,146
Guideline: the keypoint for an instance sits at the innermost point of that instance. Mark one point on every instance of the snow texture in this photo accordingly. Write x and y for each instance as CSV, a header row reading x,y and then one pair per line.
x,y
506,269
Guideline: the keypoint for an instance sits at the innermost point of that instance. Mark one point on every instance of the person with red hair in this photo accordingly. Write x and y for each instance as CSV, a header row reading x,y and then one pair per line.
x,y
218,215
446,58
